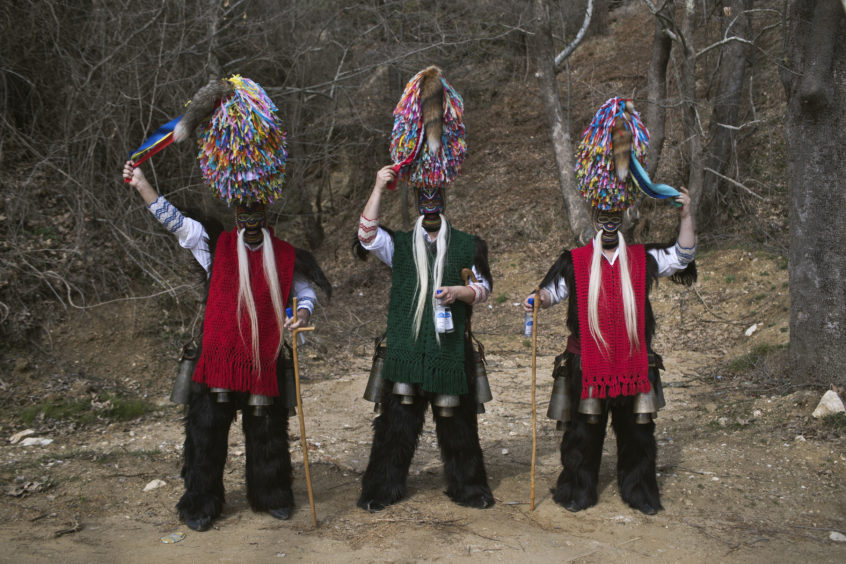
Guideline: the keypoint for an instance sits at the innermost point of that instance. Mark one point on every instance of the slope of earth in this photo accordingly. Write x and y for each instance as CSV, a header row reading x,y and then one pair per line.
x,y
747,475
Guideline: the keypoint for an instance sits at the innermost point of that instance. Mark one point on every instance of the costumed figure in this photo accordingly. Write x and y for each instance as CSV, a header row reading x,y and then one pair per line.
x,y
438,274
244,362
609,365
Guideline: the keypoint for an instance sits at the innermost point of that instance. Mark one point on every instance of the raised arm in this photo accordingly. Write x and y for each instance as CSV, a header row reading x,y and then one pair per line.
x,y
687,235
137,180
369,224
191,233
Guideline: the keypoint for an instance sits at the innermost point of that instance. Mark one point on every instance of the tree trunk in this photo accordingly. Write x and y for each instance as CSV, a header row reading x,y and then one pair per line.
x,y
690,117
814,78
727,101
577,213
656,113
599,21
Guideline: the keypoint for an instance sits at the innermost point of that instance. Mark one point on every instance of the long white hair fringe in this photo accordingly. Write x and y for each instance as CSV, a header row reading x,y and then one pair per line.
x,y
421,262
595,287
245,293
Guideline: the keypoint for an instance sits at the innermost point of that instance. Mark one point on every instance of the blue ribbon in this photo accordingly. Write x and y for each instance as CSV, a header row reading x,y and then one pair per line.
x,y
658,191
161,138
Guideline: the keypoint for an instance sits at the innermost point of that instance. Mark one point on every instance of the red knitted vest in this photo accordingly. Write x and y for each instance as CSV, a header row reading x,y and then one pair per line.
x,y
226,360
614,371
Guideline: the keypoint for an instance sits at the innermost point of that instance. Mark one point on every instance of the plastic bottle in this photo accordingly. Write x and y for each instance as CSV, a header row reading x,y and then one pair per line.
x,y
443,317
528,323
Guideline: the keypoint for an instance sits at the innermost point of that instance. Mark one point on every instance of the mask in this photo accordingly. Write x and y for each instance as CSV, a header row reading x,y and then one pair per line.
x,y
609,223
430,204
252,218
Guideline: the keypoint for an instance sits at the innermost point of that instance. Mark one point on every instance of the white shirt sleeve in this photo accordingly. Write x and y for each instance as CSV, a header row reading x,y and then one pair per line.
x,y
557,290
672,259
190,233
382,246
306,297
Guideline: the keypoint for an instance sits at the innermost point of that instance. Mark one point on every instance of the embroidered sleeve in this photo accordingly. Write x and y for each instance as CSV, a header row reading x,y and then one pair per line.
x,y
367,230
685,254
191,233
481,288
673,259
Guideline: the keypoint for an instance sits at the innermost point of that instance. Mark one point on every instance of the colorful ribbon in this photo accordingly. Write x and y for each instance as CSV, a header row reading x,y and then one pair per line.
x,y
161,138
653,190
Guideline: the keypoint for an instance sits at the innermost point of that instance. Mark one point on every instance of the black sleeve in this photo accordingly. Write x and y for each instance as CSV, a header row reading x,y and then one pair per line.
x,y
306,265
480,260
562,267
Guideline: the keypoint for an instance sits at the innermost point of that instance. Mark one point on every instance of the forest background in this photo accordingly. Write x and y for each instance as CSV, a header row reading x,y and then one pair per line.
x,y
743,99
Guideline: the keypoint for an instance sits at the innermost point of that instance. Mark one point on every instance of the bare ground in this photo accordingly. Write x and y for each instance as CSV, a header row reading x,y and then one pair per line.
x,y
746,474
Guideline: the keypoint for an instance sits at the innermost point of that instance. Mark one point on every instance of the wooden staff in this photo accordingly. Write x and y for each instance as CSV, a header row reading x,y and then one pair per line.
x,y
467,275
295,333
535,308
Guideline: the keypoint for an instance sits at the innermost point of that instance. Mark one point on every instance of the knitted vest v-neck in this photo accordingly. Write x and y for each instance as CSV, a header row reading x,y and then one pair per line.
x,y
615,371
226,360
438,367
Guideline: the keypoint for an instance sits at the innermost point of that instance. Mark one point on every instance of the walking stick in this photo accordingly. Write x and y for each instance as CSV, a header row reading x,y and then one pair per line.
x,y
535,308
295,333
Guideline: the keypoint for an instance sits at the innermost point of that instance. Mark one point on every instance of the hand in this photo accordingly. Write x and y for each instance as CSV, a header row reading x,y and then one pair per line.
x,y
134,176
300,320
684,200
447,294
545,300
385,177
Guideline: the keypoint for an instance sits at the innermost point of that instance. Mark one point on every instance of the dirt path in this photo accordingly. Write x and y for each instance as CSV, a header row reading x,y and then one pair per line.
x,y
746,474
727,497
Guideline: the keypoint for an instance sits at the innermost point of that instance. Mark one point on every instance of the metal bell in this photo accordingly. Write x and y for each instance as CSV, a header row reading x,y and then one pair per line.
x,y
375,383
222,394
290,387
259,403
645,407
405,391
483,387
182,383
590,406
445,404
560,404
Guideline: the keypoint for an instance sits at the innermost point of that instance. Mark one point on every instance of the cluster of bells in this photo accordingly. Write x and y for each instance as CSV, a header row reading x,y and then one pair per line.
x,y
443,404
258,404
561,403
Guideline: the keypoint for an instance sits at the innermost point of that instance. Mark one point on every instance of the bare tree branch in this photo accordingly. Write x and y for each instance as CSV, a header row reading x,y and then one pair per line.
x,y
723,42
562,56
732,181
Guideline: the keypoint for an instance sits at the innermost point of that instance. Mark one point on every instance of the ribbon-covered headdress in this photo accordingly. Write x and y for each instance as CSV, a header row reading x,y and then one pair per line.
x,y
242,146
611,158
427,141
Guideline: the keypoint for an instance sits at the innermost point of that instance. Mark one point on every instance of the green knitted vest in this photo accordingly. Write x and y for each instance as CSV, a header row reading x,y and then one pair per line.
x,y
440,368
